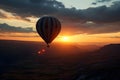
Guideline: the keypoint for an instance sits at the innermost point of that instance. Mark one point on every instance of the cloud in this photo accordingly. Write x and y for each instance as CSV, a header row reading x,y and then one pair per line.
x,y
9,29
106,19
37,8
31,7
94,3
8,15
103,13
97,28
28,35
101,1
115,37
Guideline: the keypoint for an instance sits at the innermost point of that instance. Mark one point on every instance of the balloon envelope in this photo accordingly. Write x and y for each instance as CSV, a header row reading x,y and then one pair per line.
x,y
48,28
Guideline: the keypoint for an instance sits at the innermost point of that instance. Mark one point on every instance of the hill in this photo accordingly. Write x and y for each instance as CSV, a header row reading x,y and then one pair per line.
x,y
103,64
20,60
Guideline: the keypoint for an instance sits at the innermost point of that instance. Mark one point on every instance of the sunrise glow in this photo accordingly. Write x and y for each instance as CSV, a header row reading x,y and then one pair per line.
x,y
65,39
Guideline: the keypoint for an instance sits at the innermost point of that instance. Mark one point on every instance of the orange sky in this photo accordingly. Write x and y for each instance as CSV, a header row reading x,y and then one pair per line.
x,y
68,33
80,38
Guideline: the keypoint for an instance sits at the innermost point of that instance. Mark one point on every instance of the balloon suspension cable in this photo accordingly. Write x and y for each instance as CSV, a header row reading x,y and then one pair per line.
x,y
48,45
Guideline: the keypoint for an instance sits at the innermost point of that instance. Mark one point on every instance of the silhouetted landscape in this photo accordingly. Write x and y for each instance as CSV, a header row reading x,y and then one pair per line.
x,y
19,60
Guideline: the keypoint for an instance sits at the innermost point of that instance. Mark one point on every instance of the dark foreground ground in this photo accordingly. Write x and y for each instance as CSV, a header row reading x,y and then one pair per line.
x,y
20,61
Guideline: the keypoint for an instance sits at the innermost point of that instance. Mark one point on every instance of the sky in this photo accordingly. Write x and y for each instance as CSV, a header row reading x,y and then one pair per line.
x,y
82,20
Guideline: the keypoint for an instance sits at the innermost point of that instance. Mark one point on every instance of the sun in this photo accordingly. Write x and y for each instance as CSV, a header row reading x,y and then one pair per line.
x,y
65,39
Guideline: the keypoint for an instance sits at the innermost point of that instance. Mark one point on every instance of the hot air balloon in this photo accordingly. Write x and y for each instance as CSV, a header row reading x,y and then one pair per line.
x,y
48,28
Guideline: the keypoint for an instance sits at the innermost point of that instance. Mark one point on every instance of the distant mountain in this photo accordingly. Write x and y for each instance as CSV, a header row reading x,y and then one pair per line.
x,y
103,64
108,53
111,49
88,48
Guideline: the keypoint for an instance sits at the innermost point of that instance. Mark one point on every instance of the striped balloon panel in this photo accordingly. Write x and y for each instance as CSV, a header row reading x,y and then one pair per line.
x,y
48,28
